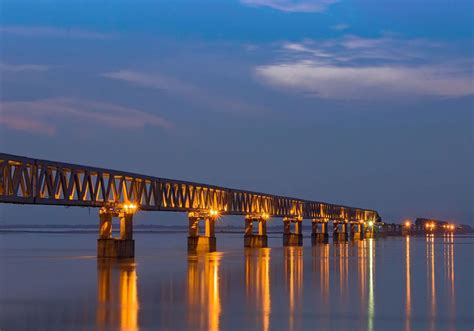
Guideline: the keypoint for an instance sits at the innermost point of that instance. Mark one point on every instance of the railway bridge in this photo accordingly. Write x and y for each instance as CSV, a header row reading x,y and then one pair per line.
x,y
121,194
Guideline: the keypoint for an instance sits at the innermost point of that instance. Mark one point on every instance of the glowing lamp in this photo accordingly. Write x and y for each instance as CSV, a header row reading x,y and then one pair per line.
x,y
130,207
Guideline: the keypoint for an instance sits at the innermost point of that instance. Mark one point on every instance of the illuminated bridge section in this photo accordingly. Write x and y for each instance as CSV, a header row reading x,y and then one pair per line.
x,y
31,181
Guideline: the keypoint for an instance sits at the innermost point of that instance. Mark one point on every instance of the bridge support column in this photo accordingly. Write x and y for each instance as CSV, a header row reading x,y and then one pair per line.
x,y
319,232
357,231
255,240
109,247
339,232
105,225
201,243
292,238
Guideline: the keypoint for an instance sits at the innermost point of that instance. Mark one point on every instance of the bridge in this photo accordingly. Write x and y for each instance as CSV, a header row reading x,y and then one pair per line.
x,y
121,194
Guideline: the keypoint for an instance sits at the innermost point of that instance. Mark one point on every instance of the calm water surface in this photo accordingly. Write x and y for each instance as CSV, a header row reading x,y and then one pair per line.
x,y
54,282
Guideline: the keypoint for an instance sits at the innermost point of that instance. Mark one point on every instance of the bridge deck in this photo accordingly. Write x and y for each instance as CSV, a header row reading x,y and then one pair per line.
x,y
26,180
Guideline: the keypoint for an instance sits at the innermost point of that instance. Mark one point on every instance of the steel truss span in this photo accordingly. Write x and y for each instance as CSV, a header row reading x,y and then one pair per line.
x,y
26,180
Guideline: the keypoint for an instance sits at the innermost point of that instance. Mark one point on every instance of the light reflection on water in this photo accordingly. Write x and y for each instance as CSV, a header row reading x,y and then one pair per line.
x,y
203,295
408,285
257,283
293,265
448,252
371,301
431,272
117,295
392,284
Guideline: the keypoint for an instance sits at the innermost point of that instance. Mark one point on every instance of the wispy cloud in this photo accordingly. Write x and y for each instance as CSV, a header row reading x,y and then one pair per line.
x,y
53,32
340,27
361,68
23,67
46,115
180,88
154,80
301,6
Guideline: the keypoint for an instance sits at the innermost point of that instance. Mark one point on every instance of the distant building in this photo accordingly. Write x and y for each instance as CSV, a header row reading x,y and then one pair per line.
x,y
433,225
423,221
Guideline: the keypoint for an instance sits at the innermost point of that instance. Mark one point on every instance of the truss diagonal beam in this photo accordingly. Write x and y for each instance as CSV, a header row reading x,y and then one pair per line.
x,y
25,180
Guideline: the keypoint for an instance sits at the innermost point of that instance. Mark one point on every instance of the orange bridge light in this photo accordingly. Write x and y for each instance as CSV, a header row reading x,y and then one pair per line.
x,y
214,212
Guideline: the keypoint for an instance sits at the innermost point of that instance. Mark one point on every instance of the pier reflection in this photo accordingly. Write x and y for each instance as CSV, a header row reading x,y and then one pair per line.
x,y
430,268
321,279
117,295
257,283
362,272
407,285
203,295
449,273
293,265
341,261
371,299
321,271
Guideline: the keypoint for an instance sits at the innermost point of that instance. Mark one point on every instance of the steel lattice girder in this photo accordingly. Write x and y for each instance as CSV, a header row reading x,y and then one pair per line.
x,y
31,181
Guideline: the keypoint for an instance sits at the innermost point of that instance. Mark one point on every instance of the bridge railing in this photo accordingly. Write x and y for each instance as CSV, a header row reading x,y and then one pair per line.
x,y
31,181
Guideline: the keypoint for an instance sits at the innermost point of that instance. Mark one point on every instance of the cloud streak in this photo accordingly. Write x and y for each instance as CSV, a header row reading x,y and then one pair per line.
x,y
363,68
45,116
180,88
366,82
7,67
53,32
301,6
340,27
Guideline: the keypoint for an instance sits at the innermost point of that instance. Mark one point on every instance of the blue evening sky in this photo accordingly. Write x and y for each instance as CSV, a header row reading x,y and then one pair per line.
x,y
364,103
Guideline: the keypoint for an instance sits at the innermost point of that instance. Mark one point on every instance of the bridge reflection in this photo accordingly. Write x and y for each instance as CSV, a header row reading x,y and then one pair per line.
x,y
117,295
341,264
321,273
293,266
362,272
341,278
203,294
371,299
431,275
408,307
257,283
449,273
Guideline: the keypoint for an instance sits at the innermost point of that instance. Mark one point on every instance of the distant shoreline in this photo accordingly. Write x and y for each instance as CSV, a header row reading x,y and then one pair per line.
x,y
141,228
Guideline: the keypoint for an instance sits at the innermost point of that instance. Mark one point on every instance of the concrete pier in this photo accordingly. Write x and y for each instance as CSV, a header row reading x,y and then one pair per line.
x,y
292,238
115,248
122,247
319,232
339,232
202,243
357,231
256,240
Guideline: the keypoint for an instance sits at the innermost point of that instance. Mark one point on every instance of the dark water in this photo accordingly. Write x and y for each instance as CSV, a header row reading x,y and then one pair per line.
x,y
54,282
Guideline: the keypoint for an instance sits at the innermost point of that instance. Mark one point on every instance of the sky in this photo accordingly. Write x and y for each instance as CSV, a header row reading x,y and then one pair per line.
x,y
358,102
